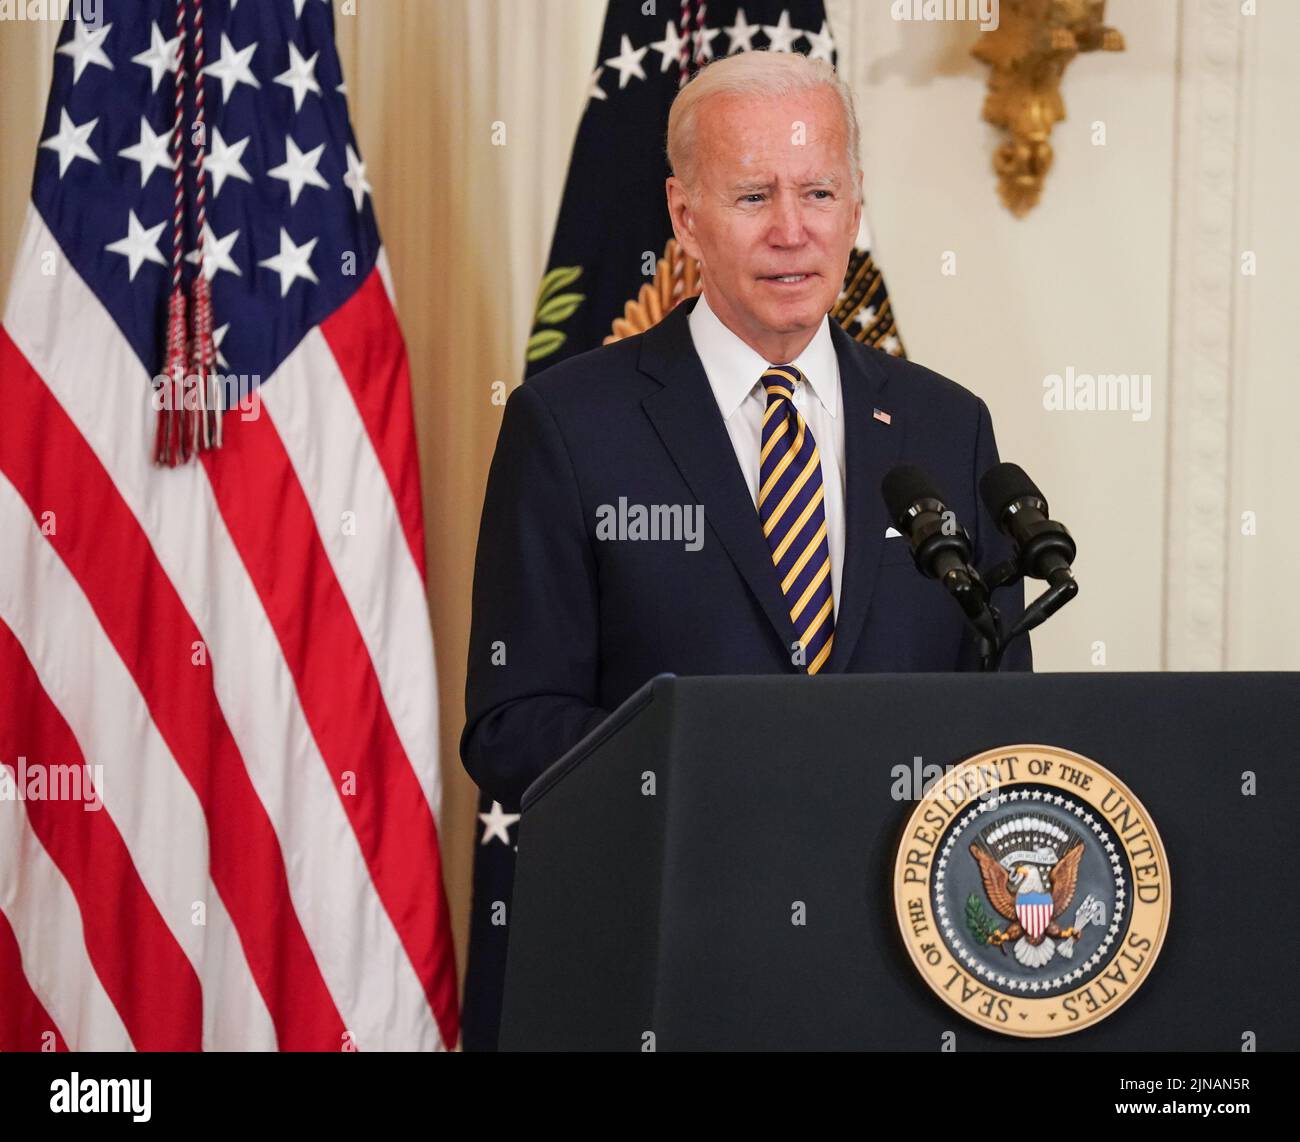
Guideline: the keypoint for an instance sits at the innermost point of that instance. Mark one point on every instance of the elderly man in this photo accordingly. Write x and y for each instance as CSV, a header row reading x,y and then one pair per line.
x,y
705,498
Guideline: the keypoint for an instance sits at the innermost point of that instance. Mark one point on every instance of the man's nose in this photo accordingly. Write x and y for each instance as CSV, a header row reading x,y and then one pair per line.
x,y
787,225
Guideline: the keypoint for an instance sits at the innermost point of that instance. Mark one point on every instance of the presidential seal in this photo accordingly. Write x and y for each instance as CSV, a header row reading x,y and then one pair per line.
x,y
1032,890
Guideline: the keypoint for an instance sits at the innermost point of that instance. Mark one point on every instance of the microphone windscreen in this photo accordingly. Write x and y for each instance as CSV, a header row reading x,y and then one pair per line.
x,y
902,487
1003,484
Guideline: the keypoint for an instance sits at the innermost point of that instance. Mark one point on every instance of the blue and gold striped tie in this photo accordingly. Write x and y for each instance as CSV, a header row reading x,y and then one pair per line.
x,y
793,515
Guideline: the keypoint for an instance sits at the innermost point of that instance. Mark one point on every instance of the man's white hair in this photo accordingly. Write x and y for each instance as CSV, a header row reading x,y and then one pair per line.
x,y
756,75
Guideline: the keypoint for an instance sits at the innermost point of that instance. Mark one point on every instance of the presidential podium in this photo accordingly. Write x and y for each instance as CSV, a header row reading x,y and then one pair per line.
x,y
714,866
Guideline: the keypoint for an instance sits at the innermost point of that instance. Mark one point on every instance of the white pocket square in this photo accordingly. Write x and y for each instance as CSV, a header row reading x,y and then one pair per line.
x,y
893,533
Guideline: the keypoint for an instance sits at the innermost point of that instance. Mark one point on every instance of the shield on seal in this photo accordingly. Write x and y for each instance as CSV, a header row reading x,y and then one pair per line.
x,y
1034,911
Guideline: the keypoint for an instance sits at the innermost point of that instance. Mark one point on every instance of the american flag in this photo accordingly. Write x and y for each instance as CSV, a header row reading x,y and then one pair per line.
x,y
236,650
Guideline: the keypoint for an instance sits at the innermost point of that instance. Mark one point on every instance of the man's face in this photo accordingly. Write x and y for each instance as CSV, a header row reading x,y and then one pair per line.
x,y
774,196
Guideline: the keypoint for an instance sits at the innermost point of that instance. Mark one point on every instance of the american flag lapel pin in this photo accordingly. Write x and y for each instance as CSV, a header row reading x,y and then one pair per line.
x,y
881,415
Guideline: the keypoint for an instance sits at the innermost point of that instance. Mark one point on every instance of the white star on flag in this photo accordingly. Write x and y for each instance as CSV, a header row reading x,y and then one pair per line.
x,y
628,62
355,179
86,47
670,47
222,162
781,36
704,38
160,58
823,43
595,91
216,254
292,262
497,823
70,142
218,336
301,76
139,245
232,68
742,33
151,152
299,169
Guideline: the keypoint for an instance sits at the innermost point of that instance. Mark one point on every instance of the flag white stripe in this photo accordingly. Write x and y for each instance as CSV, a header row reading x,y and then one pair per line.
x,y
318,422
386,276
361,957
144,791
46,921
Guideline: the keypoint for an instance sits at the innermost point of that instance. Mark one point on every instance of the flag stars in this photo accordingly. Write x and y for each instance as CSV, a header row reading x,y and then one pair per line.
x,y
233,67
741,34
223,161
161,57
139,245
216,254
355,179
71,142
595,91
704,38
628,62
822,44
299,169
86,47
151,152
292,262
218,336
301,76
781,36
670,47
496,824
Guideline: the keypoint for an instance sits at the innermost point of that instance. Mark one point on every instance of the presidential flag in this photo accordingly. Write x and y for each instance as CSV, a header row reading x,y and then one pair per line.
x,y
218,715
614,271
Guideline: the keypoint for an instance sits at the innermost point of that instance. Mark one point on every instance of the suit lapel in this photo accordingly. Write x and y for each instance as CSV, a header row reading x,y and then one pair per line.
x,y
686,417
871,448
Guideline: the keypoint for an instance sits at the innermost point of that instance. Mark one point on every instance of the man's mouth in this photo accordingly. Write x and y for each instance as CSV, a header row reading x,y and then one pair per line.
x,y
789,279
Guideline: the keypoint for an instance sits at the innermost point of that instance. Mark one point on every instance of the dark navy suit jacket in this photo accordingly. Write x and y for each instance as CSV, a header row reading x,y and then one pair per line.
x,y
576,623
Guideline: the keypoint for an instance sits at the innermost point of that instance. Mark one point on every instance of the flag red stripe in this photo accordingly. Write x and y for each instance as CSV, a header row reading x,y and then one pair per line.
x,y
23,1018
141,966
54,470
366,341
271,524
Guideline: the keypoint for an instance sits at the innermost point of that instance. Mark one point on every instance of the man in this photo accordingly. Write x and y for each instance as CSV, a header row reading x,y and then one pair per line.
x,y
790,570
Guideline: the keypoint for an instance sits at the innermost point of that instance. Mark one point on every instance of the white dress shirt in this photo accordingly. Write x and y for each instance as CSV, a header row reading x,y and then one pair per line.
x,y
735,371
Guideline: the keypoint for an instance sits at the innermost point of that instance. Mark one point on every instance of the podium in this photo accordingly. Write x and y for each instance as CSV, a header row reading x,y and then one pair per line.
x,y
713,867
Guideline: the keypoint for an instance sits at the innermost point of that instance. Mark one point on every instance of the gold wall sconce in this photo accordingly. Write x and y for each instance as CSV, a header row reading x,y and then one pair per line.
x,y
1029,50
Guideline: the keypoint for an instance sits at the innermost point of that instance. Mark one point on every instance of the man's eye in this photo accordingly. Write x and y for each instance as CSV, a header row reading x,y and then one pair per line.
x,y
747,197
825,192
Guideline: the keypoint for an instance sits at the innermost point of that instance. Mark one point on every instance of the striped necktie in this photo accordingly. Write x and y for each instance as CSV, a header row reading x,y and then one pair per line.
x,y
793,515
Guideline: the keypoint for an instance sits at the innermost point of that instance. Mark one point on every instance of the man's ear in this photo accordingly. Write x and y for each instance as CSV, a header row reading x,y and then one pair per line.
x,y
683,219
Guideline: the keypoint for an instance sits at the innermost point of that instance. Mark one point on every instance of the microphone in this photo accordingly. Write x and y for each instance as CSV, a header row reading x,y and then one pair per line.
x,y
941,548
1044,548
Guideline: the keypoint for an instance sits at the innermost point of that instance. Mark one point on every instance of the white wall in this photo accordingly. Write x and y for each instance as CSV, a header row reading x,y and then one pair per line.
x,y
1129,265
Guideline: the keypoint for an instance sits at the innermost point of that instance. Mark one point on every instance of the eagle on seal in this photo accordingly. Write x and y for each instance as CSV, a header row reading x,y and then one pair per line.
x,y
1031,906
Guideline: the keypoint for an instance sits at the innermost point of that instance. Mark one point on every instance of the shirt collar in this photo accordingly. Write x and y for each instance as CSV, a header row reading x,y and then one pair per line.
x,y
734,368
